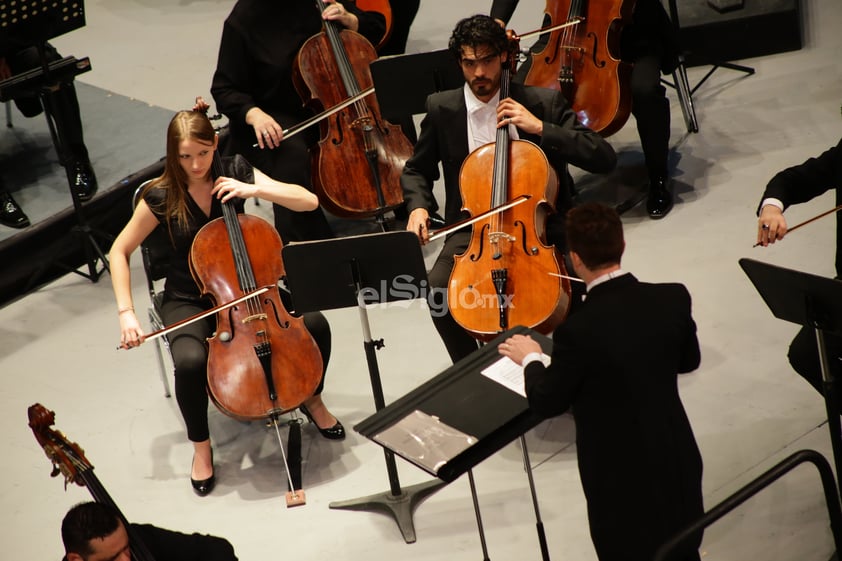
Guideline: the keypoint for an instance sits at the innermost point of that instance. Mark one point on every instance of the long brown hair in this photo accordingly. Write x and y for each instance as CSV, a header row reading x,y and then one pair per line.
x,y
185,125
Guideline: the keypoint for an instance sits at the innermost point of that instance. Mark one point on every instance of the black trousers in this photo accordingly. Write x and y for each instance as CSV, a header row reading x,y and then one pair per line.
x,y
62,104
190,357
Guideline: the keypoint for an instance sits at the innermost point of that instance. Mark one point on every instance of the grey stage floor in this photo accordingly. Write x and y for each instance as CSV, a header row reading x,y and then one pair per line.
x,y
747,407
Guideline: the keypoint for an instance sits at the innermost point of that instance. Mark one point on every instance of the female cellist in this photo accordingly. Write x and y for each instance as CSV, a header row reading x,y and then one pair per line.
x,y
183,199
253,87
650,44
459,121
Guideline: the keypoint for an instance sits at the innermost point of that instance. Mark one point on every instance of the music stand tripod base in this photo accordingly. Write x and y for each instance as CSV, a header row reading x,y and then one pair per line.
x,y
401,506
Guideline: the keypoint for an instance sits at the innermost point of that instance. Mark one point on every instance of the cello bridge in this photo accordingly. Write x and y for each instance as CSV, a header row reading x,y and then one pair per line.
x,y
255,317
495,237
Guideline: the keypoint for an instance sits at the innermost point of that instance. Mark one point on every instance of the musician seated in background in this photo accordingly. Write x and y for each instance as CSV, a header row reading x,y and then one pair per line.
x,y
799,184
253,86
650,44
460,121
64,108
182,200
94,532
614,363
403,14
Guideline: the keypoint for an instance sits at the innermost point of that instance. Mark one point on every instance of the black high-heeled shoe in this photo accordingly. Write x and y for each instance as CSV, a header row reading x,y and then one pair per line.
x,y
336,432
203,487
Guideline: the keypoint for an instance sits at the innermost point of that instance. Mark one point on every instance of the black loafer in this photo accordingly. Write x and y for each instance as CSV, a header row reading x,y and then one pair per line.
x,y
336,432
659,201
84,181
11,214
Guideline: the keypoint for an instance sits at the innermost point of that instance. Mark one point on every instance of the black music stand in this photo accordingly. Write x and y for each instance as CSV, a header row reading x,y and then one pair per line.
x,y
402,83
458,419
355,271
46,19
811,301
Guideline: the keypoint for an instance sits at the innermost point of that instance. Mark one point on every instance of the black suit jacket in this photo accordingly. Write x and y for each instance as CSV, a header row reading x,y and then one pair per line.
x,y
803,182
444,138
615,362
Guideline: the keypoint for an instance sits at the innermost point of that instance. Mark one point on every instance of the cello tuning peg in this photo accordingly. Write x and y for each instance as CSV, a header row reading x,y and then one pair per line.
x,y
225,336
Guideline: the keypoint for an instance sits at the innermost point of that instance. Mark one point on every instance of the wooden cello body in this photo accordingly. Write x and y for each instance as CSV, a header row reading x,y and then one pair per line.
x,y
358,161
583,61
508,275
261,361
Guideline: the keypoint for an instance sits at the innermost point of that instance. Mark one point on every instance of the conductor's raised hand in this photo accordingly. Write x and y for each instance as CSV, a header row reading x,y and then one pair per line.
x,y
771,225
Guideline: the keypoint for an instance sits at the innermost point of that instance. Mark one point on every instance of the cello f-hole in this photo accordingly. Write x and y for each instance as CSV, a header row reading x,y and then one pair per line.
x,y
597,63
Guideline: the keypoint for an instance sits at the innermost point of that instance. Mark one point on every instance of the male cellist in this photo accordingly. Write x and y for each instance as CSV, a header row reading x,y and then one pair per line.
x,y
461,120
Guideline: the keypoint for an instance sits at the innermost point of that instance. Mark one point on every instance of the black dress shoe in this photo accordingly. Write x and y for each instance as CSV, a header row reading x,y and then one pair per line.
x,y
11,214
203,487
84,181
659,201
336,432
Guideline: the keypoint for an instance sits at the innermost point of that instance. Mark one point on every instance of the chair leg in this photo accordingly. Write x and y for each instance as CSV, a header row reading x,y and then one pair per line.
x,y
685,97
159,344
163,369
9,114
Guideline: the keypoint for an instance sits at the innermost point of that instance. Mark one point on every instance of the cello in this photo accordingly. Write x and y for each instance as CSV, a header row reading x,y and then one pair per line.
x,y
69,460
358,161
583,61
261,361
508,275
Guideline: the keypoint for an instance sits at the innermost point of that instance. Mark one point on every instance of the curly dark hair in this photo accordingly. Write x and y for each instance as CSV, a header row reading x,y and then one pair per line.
x,y
478,31
595,232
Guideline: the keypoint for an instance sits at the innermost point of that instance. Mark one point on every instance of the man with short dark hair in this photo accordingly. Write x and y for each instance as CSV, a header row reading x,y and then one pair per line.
x,y
461,120
615,362
94,532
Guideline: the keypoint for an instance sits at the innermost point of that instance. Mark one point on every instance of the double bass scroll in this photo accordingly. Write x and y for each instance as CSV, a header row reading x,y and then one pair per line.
x,y
69,460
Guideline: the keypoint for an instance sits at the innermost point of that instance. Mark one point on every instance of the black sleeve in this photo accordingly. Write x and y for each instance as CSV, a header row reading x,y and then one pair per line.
x,y
810,179
372,25
422,168
166,545
503,9
232,79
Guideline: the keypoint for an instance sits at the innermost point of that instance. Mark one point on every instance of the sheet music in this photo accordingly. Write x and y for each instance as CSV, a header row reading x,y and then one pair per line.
x,y
509,374
425,440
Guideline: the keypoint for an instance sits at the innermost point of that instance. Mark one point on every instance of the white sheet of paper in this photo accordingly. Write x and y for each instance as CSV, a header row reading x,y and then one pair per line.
x,y
509,374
